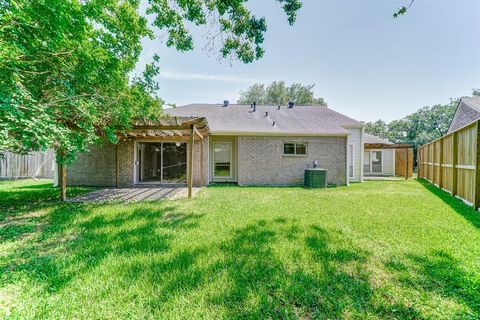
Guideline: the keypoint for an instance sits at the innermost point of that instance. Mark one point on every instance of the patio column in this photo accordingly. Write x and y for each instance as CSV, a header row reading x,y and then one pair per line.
x,y
190,160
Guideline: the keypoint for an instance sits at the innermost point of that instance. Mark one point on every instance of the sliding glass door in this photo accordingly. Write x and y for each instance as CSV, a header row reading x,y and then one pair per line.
x,y
162,162
174,163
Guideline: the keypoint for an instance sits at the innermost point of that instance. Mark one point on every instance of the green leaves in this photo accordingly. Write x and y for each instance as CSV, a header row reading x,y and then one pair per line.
x,y
64,69
418,128
66,65
403,10
239,33
277,93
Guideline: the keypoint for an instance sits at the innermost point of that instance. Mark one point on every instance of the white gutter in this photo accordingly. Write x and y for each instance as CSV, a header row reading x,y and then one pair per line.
x,y
277,134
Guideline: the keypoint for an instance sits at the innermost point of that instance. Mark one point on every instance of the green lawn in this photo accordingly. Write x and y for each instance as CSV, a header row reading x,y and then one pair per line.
x,y
383,249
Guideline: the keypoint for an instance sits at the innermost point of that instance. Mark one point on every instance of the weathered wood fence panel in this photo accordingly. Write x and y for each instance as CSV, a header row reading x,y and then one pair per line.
x,y
401,162
451,163
34,165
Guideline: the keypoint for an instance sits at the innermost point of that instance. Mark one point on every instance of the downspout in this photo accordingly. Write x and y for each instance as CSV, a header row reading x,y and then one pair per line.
x,y
347,179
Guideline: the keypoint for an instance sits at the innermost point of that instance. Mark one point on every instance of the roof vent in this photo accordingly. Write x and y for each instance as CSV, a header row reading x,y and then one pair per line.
x,y
291,104
273,123
254,106
278,108
266,113
225,103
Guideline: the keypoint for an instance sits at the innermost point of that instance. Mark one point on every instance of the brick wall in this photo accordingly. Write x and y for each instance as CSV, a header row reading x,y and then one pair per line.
x,y
126,165
93,168
261,160
97,167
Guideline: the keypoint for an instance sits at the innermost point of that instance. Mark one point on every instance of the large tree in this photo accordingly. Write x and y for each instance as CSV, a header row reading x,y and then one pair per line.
x,y
425,125
65,65
378,128
278,93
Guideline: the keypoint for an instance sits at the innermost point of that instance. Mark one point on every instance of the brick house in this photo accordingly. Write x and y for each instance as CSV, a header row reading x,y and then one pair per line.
x,y
243,144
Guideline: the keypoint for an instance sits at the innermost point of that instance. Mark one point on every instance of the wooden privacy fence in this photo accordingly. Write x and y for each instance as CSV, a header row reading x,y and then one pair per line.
x,y
452,163
34,165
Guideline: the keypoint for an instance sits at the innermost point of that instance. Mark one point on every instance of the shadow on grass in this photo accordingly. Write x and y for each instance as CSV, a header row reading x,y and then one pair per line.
x,y
20,199
37,186
331,280
23,208
260,286
440,274
71,239
59,257
461,208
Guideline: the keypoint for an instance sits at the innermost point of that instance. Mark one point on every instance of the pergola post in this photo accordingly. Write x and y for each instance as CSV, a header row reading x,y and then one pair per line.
x,y
406,163
62,176
190,160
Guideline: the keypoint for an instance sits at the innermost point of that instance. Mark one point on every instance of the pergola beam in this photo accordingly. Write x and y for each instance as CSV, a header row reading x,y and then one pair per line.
x,y
177,133
387,146
195,130
160,127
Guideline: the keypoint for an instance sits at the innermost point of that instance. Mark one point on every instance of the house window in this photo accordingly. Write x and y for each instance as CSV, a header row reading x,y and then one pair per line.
x,y
295,148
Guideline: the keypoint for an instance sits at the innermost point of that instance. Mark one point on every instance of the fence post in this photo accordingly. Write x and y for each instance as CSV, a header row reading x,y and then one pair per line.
x,y
419,163
454,163
440,172
476,202
433,163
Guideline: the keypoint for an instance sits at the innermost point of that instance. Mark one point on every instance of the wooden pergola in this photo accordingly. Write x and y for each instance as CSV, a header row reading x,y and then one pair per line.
x,y
392,146
181,129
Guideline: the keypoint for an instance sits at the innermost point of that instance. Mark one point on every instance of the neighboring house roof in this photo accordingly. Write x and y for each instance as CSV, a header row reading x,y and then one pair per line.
x,y
370,138
240,119
468,110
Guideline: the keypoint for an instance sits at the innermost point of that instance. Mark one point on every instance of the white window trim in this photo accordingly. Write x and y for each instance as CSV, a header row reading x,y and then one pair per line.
x,y
295,149
353,160
231,159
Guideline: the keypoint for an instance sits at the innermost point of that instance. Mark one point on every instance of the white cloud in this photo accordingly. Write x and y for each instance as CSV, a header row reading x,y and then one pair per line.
x,y
172,75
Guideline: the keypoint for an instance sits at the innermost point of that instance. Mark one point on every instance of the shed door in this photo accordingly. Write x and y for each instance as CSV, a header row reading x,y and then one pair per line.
x,y
377,162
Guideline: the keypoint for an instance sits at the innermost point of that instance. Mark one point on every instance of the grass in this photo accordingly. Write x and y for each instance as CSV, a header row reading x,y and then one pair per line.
x,y
381,249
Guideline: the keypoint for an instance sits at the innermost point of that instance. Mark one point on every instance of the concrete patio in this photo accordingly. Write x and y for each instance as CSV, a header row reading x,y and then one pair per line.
x,y
135,194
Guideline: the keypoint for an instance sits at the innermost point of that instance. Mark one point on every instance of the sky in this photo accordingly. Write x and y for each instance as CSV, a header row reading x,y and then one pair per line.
x,y
365,64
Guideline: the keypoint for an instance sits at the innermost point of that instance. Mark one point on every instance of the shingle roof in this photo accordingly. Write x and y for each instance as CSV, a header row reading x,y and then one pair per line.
x,y
370,138
468,110
241,119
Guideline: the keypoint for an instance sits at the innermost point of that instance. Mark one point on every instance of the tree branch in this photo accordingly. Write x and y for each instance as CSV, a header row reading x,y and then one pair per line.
x,y
403,10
